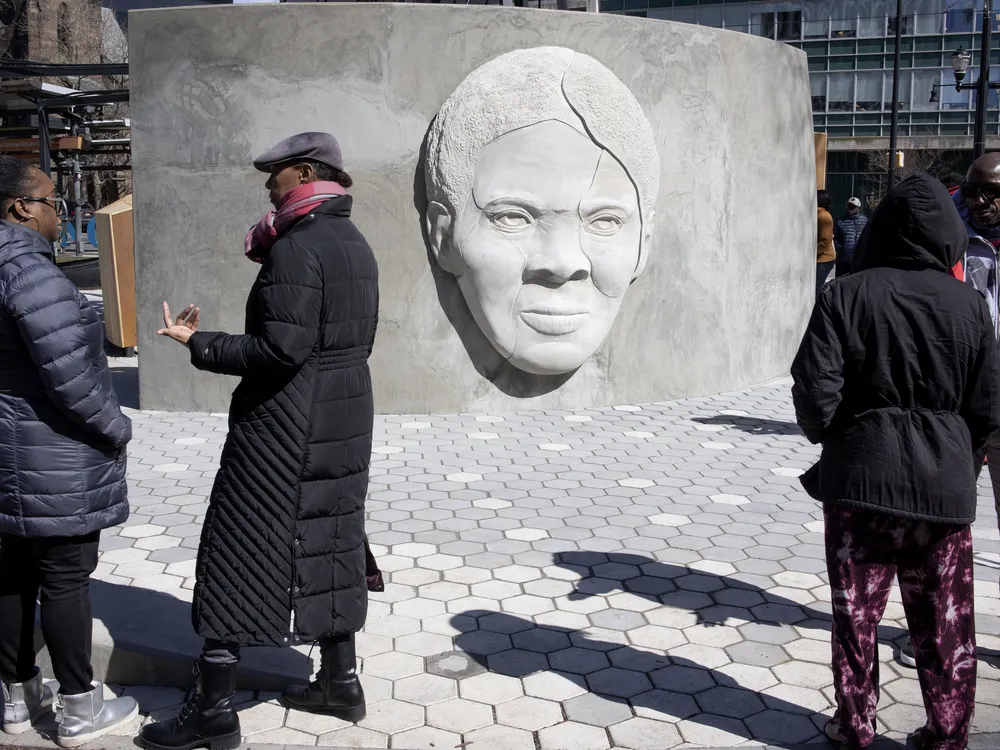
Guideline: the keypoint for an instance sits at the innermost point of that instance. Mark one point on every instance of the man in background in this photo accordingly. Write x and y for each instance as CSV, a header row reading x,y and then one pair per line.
x,y
846,233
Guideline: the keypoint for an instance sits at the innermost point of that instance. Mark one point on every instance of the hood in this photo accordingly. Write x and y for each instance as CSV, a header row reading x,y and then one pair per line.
x,y
16,240
915,227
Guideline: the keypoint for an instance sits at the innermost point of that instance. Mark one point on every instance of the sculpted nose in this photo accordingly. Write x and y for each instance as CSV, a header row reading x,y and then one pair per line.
x,y
559,258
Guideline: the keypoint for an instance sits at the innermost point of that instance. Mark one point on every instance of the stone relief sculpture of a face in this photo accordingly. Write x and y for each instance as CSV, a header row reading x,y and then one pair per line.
x,y
541,176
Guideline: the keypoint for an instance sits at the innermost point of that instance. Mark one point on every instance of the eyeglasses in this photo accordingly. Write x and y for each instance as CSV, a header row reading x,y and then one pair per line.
x,y
58,204
989,191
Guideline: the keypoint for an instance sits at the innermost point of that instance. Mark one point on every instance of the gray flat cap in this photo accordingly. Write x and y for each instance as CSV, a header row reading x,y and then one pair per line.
x,y
321,147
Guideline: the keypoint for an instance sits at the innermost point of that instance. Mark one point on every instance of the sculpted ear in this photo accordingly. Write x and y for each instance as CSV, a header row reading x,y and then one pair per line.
x,y
438,223
644,243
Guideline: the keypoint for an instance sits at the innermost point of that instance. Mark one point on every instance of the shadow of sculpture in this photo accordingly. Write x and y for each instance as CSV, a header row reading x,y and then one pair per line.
x,y
487,361
126,384
145,637
752,425
621,678
714,599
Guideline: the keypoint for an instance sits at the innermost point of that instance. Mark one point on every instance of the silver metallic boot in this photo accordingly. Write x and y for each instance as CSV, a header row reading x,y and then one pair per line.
x,y
24,703
84,718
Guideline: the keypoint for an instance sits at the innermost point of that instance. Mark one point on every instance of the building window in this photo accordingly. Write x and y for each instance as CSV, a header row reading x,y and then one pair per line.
x,y
869,92
843,18
929,16
841,92
923,84
960,16
872,21
711,15
63,33
817,85
815,19
737,17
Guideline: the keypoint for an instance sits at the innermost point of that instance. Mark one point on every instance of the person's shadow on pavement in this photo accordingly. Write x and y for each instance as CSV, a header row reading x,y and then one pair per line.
x,y
616,679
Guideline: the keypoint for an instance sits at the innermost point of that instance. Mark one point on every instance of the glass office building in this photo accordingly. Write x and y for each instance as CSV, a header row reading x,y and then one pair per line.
x,y
850,46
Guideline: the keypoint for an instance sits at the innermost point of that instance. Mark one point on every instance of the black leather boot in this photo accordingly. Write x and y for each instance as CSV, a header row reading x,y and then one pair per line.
x,y
207,719
337,689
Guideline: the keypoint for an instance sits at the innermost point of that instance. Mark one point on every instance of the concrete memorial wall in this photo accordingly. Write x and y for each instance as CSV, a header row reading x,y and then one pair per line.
x,y
568,209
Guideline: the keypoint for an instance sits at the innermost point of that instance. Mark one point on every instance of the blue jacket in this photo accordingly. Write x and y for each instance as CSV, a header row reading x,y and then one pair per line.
x,y
62,431
846,233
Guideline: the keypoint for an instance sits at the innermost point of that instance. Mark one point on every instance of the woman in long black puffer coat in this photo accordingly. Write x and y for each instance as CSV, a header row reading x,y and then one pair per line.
x,y
282,555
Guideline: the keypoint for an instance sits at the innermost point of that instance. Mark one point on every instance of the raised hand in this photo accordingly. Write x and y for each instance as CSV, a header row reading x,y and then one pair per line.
x,y
183,328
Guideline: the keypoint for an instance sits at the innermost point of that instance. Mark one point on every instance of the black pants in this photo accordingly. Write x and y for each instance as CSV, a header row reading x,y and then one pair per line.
x,y
59,568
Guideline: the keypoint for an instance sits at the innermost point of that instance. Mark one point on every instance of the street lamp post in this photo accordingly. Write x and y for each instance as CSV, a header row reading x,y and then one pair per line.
x,y
979,141
894,126
960,63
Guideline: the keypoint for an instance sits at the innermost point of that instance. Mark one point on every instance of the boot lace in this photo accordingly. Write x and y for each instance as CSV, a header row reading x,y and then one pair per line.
x,y
190,699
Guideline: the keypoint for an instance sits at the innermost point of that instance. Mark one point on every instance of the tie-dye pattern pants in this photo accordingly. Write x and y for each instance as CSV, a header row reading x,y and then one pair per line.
x,y
865,551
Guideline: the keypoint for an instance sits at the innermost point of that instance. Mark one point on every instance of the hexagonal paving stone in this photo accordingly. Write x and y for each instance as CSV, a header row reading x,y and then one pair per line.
x,y
459,715
354,736
573,736
393,666
645,734
578,661
715,731
735,703
455,665
719,636
261,717
499,737
683,679
669,519
804,674
745,676
517,663
555,686
491,688
596,710
620,683
393,716
426,738
656,637
425,689
757,654
664,705
532,714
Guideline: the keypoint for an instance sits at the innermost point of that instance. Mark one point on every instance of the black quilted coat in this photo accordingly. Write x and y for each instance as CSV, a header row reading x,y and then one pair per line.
x,y
284,532
62,431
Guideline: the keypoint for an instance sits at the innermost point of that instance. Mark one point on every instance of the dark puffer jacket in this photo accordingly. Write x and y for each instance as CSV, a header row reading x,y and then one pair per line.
x,y
846,233
897,373
62,431
284,532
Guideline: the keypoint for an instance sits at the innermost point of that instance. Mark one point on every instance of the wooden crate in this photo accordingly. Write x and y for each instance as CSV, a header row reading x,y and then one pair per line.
x,y
819,144
116,249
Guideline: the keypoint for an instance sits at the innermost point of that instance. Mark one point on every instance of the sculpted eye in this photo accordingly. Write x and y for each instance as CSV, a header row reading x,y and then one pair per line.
x,y
605,224
510,221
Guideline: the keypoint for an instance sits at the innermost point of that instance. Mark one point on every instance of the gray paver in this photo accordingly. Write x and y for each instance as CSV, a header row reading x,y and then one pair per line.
x,y
639,584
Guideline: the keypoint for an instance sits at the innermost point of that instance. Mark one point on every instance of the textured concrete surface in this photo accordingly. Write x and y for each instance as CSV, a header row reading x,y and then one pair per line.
x,y
720,306
636,577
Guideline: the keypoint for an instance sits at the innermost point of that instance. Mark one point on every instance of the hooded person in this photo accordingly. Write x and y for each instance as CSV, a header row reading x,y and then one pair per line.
x,y
896,378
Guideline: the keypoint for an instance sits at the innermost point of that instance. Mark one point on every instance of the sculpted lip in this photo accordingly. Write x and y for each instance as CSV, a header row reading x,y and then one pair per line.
x,y
555,320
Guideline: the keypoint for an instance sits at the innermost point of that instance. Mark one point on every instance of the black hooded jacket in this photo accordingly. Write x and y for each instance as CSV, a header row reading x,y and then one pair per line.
x,y
897,372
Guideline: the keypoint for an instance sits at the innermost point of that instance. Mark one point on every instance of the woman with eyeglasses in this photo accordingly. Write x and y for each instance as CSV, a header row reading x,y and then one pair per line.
x,y
62,468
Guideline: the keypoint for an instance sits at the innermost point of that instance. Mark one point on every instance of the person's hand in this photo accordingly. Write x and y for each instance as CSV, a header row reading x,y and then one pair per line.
x,y
183,328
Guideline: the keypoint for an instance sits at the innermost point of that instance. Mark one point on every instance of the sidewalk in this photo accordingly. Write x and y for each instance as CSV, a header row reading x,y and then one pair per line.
x,y
641,577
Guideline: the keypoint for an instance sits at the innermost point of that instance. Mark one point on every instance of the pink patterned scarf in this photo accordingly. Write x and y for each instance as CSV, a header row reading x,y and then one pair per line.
x,y
297,203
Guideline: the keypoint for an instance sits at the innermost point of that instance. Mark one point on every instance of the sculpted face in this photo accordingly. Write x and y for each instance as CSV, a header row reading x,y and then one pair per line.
x,y
548,242
542,173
